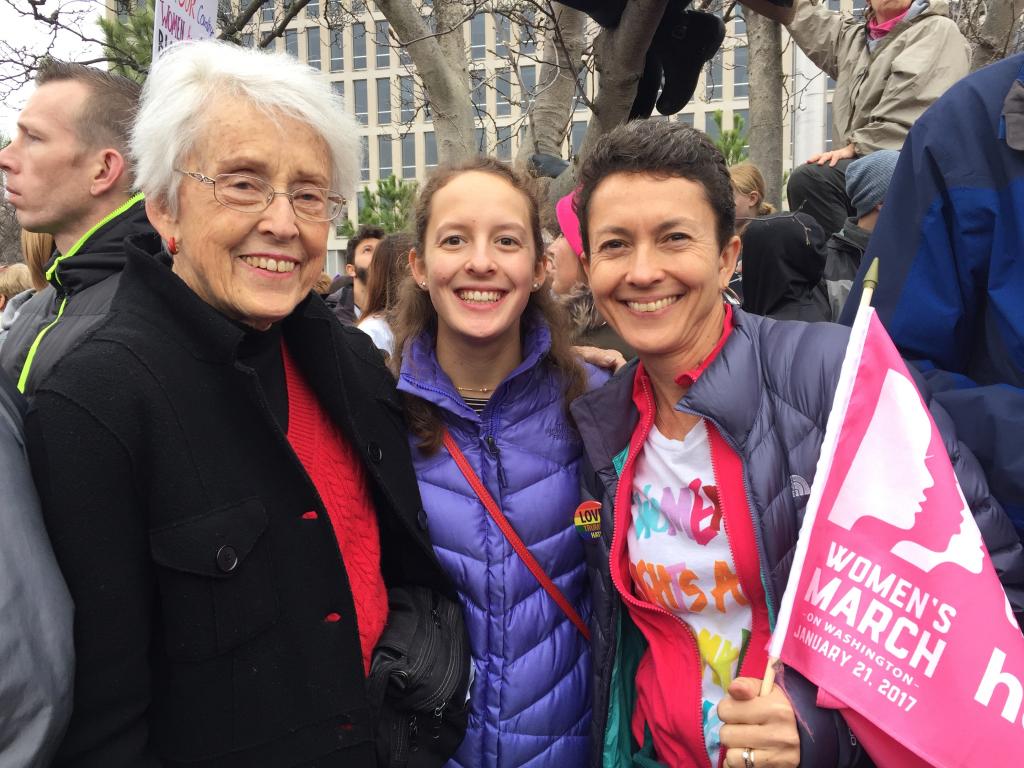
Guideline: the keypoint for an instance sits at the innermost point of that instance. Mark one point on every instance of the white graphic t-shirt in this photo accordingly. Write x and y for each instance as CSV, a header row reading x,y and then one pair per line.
x,y
679,559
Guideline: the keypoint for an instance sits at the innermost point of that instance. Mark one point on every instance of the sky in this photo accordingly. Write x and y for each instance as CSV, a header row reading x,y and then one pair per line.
x,y
18,31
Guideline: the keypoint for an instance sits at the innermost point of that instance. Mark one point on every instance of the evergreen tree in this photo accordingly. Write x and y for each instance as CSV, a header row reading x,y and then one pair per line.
x,y
129,44
731,142
389,207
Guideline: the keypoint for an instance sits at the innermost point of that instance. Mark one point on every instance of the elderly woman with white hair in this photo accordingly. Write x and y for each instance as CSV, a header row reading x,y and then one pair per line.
x,y
223,467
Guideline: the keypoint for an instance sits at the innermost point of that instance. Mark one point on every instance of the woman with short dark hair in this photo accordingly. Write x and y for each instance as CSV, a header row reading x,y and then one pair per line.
x,y
691,452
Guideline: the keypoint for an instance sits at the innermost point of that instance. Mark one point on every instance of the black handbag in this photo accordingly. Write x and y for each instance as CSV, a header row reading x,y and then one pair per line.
x,y
419,677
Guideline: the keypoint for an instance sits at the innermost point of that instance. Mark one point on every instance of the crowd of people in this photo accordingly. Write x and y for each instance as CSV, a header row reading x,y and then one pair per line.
x,y
423,513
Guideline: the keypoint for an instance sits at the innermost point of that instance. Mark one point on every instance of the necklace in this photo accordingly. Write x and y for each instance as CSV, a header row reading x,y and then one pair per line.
x,y
482,390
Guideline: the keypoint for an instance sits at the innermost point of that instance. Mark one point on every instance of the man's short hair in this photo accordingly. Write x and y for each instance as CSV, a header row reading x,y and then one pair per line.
x,y
365,232
108,111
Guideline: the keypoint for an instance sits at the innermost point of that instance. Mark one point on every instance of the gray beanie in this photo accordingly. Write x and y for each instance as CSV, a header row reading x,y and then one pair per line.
x,y
867,179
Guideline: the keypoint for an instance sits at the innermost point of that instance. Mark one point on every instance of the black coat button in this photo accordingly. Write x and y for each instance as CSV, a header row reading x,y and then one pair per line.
x,y
375,453
227,558
421,518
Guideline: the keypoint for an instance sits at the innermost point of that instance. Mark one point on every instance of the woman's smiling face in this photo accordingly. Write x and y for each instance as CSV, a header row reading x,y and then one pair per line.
x,y
479,259
657,270
252,267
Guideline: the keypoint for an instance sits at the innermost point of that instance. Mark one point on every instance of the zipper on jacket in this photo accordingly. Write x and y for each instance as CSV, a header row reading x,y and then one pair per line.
x,y
492,448
769,595
645,426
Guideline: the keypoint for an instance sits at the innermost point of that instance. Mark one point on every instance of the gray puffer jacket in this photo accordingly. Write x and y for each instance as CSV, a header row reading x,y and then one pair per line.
x,y
769,391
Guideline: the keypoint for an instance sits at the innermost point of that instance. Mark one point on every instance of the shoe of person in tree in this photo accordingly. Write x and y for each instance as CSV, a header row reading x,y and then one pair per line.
x,y
647,88
684,42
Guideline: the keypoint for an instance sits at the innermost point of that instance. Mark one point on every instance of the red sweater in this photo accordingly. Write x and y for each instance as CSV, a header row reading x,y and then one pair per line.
x,y
341,482
668,680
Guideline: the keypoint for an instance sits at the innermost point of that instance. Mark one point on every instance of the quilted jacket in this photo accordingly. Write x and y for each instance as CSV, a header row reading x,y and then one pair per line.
x,y
769,392
530,696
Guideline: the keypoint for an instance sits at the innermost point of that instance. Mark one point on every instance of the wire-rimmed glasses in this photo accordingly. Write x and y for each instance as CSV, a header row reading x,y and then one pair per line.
x,y
251,194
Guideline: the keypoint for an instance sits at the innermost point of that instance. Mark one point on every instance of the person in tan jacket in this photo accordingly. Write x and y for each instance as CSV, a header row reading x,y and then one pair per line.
x,y
888,67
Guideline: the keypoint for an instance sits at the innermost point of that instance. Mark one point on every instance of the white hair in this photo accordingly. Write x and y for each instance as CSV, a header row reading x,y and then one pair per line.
x,y
189,76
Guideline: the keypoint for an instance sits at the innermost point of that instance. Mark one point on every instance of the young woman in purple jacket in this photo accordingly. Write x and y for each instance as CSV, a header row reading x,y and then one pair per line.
x,y
483,354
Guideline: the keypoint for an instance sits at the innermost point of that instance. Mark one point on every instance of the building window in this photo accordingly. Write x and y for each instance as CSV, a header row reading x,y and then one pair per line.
x,y
477,83
312,9
406,98
833,5
364,158
384,167
740,72
713,73
686,118
503,149
339,88
267,10
527,33
359,88
581,91
429,149
740,24
247,39
481,141
576,133
527,86
337,50
358,46
828,126
383,45
710,126
503,89
744,116
502,35
383,100
478,36
291,42
409,156
313,47
358,7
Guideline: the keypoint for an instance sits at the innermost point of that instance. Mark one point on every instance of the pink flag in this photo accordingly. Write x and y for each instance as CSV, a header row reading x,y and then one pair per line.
x,y
893,608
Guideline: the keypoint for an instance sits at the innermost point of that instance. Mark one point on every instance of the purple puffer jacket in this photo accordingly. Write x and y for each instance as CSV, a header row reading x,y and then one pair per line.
x,y
530,697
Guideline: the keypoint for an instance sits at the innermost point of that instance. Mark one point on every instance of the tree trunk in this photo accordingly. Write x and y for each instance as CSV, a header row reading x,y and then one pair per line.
x,y
998,32
561,59
619,63
440,61
765,130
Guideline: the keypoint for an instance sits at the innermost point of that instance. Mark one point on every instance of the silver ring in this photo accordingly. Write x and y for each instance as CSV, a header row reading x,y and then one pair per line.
x,y
748,758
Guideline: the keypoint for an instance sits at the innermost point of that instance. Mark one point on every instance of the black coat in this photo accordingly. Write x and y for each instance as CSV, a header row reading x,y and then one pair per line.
x,y
175,505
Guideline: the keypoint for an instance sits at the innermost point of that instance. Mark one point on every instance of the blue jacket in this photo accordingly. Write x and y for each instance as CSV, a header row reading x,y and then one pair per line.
x,y
769,391
530,697
951,260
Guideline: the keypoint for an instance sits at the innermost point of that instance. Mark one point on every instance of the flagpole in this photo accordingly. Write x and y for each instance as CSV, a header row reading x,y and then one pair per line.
x,y
869,285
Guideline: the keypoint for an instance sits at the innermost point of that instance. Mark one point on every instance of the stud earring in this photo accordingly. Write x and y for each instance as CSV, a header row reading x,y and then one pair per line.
x,y
536,286
172,246
423,285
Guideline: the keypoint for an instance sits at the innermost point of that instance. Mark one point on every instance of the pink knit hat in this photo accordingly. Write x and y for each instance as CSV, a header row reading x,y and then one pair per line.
x,y
570,223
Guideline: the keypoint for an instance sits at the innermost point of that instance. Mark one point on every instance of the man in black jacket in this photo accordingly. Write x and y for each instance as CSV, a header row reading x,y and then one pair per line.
x,y
67,175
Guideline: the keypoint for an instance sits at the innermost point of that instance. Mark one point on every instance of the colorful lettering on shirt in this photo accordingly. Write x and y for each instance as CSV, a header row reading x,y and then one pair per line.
x,y
680,562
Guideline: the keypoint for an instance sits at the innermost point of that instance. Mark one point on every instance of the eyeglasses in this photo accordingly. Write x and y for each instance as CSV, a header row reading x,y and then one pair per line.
x,y
251,194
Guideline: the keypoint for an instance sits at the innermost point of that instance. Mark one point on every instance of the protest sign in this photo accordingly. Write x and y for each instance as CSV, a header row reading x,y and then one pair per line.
x,y
177,20
893,607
